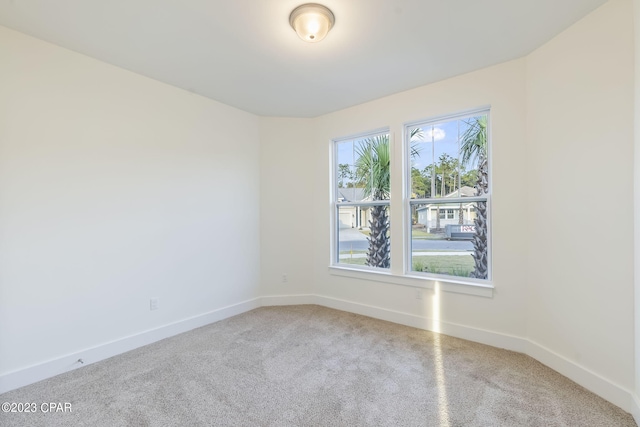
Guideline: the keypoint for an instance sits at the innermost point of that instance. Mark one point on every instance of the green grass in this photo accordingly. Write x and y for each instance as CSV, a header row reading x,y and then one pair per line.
x,y
353,261
452,265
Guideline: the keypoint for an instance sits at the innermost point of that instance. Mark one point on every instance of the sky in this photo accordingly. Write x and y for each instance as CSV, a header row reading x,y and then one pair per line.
x,y
444,137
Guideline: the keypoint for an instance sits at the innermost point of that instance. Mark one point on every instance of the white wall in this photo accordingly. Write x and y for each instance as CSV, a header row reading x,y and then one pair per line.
x,y
562,136
636,168
115,188
502,87
580,163
286,204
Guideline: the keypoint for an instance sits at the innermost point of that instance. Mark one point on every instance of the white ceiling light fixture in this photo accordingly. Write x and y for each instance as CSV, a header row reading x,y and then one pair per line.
x,y
311,21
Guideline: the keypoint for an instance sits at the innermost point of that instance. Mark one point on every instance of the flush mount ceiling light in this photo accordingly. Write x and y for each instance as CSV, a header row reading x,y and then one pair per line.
x,y
311,21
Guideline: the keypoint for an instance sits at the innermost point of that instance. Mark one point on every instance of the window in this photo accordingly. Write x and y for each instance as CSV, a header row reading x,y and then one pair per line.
x,y
446,214
446,202
362,176
448,197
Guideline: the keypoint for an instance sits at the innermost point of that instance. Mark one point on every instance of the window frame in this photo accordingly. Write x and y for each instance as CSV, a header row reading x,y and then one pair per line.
x,y
336,204
408,201
400,272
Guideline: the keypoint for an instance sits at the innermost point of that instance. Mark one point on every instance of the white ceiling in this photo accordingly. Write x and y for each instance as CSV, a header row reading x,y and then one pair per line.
x,y
244,53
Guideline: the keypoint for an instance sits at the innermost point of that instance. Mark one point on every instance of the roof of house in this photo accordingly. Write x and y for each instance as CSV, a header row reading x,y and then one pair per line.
x,y
350,194
465,190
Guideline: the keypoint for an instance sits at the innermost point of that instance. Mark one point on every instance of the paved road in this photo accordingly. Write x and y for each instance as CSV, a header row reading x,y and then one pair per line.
x,y
430,253
351,239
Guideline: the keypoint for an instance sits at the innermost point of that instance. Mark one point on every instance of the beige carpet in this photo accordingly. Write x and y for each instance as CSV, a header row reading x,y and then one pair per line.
x,y
313,366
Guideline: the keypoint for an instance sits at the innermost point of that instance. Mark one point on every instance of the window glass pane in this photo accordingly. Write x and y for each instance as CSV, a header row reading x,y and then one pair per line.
x,y
345,169
445,158
474,168
448,238
363,236
363,174
422,172
363,170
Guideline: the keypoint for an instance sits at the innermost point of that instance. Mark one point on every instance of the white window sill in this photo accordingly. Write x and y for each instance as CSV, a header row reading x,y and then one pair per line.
x,y
446,284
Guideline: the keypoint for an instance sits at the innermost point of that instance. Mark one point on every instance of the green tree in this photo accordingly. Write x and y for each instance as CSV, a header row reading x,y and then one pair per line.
x,y
420,184
373,170
474,147
454,173
468,178
443,172
448,170
431,178
344,173
420,188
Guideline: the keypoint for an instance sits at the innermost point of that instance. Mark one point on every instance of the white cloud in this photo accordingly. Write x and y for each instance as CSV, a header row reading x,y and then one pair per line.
x,y
435,132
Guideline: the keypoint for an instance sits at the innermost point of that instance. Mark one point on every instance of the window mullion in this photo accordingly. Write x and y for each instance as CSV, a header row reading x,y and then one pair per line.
x,y
396,209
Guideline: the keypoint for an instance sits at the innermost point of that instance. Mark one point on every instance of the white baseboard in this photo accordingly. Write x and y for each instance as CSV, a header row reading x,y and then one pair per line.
x,y
472,334
636,408
586,378
288,300
29,375
604,388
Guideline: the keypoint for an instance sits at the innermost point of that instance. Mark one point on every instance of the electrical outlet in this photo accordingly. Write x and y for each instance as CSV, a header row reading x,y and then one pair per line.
x,y
285,279
418,293
153,303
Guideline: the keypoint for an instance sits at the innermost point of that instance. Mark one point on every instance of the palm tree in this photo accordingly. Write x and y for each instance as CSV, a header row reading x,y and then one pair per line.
x,y
474,146
373,170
